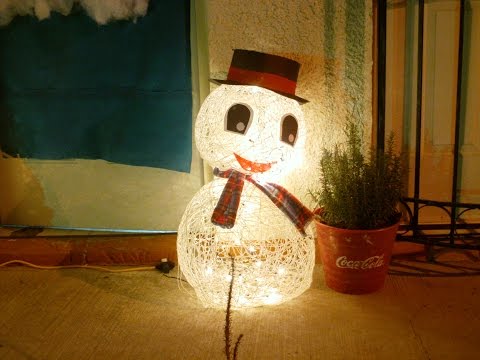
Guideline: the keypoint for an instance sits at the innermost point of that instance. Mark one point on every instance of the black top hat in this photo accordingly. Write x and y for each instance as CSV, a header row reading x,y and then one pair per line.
x,y
271,72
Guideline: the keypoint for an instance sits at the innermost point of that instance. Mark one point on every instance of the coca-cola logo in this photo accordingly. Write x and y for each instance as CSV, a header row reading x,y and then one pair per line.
x,y
370,263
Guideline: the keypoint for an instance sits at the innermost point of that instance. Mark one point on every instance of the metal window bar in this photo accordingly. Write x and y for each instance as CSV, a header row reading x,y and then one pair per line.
x,y
458,233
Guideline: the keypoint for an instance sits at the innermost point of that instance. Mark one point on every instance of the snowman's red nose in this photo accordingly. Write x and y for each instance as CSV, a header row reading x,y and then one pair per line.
x,y
252,166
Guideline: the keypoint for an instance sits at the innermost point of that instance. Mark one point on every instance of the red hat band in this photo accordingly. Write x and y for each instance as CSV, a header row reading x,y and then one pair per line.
x,y
266,80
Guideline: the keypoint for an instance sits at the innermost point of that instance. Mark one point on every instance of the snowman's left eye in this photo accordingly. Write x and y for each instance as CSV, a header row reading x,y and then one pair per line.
x,y
289,129
238,118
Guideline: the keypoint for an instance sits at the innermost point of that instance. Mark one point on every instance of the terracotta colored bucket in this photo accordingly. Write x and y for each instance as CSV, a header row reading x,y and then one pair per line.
x,y
355,261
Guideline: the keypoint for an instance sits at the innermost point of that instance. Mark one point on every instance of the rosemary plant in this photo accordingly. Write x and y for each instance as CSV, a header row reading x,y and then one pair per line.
x,y
358,189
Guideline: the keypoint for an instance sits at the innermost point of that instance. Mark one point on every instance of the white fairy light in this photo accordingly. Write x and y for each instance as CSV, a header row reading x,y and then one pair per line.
x,y
273,298
209,271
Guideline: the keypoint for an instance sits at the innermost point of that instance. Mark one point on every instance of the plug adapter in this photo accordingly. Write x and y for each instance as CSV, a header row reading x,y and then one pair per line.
x,y
165,266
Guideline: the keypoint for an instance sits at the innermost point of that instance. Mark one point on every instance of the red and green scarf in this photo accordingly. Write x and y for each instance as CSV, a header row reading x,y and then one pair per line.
x,y
225,212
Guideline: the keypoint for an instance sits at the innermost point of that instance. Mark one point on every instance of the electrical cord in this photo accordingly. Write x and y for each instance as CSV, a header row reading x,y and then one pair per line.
x,y
93,267
164,266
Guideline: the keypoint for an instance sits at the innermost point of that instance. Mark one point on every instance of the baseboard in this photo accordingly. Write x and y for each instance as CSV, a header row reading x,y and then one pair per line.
x,y
89,249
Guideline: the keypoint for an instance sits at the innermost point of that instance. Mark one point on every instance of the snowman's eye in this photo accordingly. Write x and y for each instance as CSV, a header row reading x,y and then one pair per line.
x,y
289,129
238,118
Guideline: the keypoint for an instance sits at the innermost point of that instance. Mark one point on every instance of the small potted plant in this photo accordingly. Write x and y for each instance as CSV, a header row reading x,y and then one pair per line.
x,y
357,213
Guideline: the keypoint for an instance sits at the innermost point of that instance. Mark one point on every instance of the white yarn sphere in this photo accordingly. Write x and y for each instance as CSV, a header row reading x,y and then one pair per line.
x,y
261,142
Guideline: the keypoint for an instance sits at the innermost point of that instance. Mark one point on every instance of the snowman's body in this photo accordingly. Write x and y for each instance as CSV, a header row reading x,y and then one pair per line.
x,y
273,260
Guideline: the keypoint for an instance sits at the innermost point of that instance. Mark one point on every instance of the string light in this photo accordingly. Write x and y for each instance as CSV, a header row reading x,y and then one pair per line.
x,y
253,138
262,241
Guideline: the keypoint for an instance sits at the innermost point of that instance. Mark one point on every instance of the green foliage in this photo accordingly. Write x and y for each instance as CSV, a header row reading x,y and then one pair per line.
x,y
359,191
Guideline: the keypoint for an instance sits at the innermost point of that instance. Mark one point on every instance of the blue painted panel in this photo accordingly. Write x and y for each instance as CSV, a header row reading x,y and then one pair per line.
x,y
121,92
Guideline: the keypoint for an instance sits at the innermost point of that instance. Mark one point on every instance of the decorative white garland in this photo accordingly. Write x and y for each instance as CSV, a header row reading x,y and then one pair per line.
x,y
102,11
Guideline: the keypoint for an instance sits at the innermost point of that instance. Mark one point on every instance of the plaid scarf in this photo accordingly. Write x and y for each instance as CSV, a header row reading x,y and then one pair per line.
x,y
225,212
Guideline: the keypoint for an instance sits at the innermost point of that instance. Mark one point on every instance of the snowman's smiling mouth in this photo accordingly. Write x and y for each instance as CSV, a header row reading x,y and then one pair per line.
x,y
252,166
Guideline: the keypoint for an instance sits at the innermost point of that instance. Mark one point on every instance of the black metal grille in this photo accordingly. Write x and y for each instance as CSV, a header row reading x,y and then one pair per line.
x,y
458,233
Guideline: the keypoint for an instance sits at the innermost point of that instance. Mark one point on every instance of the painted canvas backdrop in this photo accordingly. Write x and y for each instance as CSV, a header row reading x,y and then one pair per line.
x,y
120,92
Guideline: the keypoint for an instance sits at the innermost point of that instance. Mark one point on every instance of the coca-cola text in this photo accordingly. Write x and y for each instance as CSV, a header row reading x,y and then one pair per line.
x,y
370,263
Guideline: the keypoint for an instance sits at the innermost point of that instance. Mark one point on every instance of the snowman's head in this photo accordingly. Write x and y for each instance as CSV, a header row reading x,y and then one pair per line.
x,y
250,129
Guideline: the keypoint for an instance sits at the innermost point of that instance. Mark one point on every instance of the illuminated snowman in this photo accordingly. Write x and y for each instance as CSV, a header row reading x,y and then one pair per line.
x,y
251,131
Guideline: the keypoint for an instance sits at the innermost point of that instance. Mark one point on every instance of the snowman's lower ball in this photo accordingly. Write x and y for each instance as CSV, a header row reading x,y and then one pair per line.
x,y
273,262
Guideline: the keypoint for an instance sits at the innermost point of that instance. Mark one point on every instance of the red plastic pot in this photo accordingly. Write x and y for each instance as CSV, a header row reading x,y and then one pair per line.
x,y
355,261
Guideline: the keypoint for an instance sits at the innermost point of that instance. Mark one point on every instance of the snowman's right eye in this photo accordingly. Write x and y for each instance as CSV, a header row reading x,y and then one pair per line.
x,y
238,118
